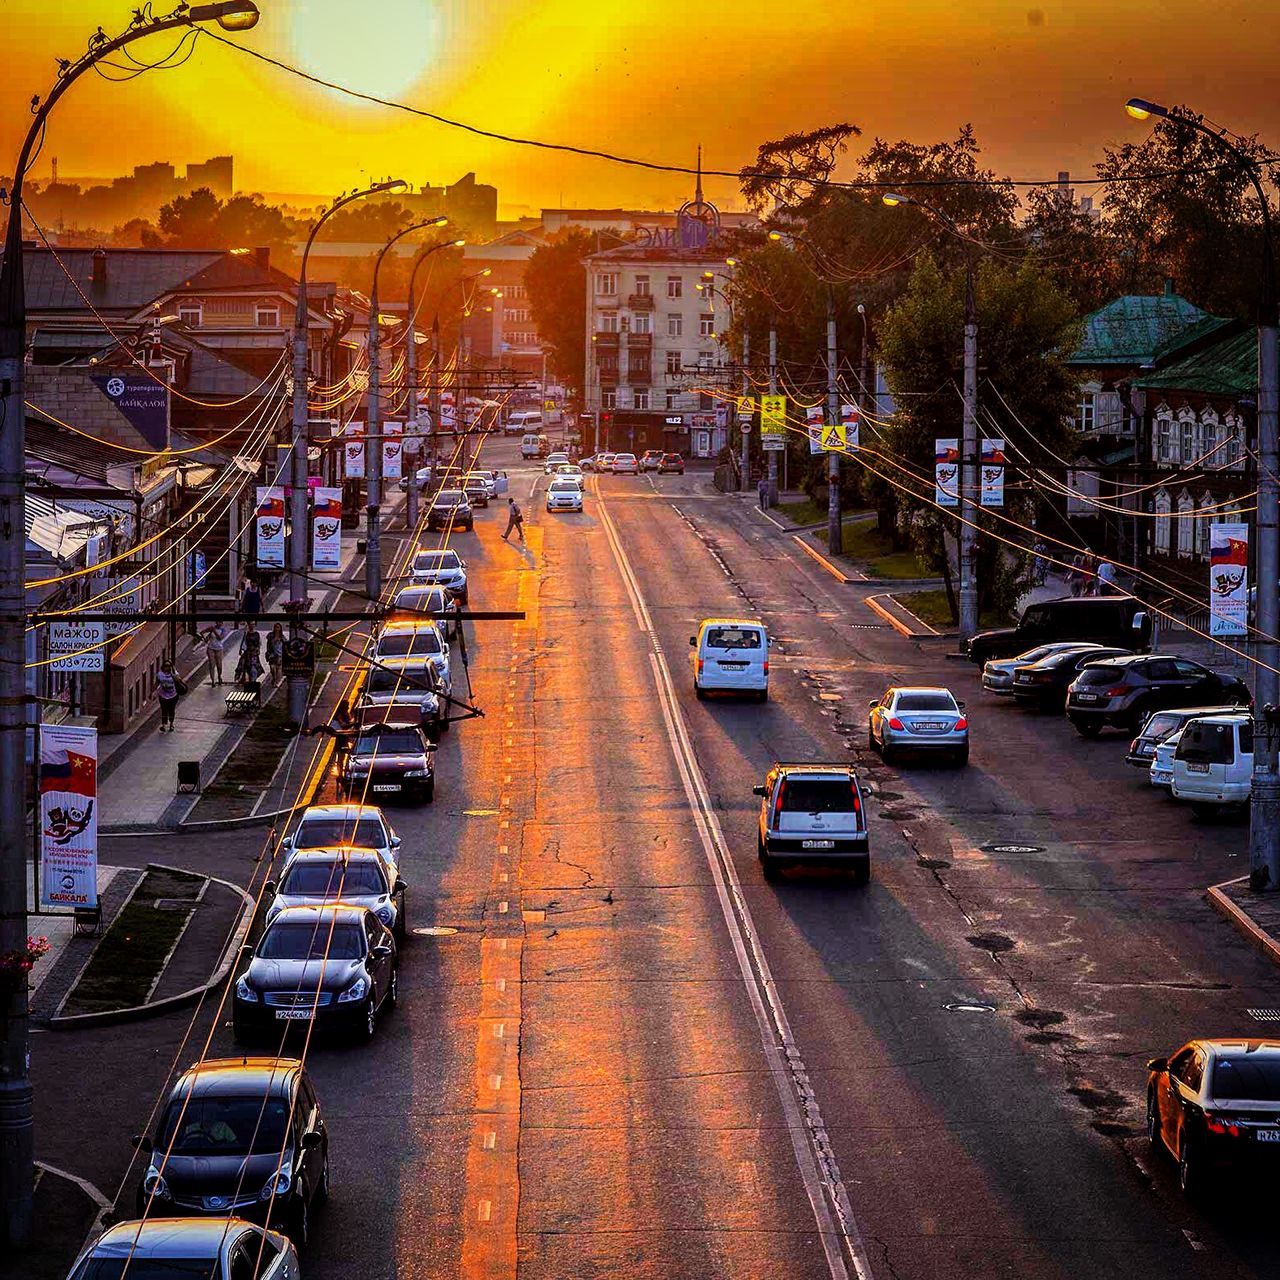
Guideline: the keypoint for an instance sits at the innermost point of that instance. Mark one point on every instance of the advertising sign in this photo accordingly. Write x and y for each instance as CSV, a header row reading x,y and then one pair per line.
x,y
68,816
269,520
851,422
353,451
326,530
1228,579
142,401
392,450
125,597
77,646
813,417
992,472
773,423
946,472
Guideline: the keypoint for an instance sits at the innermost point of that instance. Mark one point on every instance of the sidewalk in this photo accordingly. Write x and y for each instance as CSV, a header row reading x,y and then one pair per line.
x,y
1256,915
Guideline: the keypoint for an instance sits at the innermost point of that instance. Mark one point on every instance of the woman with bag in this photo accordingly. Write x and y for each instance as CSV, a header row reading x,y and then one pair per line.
x,y
275,651
169,688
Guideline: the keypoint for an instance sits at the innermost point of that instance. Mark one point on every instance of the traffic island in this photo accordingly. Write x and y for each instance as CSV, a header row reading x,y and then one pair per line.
x,y
1255,915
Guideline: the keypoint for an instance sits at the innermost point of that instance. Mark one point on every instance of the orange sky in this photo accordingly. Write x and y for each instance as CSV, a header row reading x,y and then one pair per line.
x,y
1043,81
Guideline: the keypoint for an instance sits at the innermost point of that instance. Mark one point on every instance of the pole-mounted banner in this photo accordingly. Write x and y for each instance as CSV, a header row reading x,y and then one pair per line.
x,y
269,520
851,425
68,816
326,526
993,461
813,421
946,472
1228,579
392,450
353,451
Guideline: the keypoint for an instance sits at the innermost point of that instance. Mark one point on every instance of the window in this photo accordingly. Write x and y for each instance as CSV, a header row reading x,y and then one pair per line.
x,y
642,287
707,288
266,317
706,326
242,1263
1164,437
642,322
514,291
675,287
1186,437
607,363
641,397
607,283
674,362
609,399
517,315
1186,523
675,325
1202,525
1162,509
191,314
1086,412
608,322
673,399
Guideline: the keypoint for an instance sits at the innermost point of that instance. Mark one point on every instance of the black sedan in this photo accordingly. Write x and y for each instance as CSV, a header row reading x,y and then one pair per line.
x,y
450,509
241,1136
1216,1103
334,964
389,760
1042,685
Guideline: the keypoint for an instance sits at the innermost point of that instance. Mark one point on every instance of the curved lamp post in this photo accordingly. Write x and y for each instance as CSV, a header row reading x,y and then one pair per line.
x,y
464,307
1264,803
17,1136
708,281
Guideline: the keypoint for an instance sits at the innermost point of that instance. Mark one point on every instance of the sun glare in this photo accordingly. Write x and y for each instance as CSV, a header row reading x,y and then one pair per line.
x,y
383,48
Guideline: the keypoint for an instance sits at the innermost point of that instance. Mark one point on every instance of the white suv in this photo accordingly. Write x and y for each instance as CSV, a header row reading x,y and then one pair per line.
x,y
812,813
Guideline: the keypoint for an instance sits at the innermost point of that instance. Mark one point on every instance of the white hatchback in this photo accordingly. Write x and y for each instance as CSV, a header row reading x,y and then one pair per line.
x,y
1213,762
731,655
564,495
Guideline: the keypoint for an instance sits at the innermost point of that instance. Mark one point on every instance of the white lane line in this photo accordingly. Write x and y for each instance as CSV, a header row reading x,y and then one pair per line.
x,y
499,1031
503,908
483,1210
828,1196
495,1083
490,1140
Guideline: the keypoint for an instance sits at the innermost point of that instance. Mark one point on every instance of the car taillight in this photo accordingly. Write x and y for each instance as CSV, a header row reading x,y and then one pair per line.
x,y
1116,691
701,664
857,803
766,666
777,805
896,724
962,723
1219,1126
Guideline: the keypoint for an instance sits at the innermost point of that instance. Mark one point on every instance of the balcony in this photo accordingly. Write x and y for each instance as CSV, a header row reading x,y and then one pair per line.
x,y
604,338
639,375
640,301
641,341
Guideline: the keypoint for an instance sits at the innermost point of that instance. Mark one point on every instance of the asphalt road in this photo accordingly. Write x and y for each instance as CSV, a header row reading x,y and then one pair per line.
x,y
636,1058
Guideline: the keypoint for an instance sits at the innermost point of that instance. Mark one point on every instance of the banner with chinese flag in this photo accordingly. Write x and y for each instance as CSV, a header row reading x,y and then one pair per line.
x,y
326,530
270,524
68,816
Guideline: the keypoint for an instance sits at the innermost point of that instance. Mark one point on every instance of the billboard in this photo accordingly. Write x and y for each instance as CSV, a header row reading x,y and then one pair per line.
x,y
392,450
77,646
851,423
68,816
773,423
813,422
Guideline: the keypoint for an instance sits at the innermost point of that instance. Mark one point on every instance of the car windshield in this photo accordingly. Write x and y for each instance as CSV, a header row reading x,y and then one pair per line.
x,y
1162,724
449,497
1034,655
1101,675
296,940
320,833
925,702
733,638
671,457
212,1126
333,879
399,644
564,486
402,742
1253,1078
427,560
387,680
140,1268
817,795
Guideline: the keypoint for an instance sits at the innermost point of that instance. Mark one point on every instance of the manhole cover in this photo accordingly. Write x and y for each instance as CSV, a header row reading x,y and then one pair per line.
x,y
434,930
1264,1015
1013,848
969,1006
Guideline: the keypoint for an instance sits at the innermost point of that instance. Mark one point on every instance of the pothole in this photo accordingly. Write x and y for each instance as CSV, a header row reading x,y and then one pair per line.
x,y
993,942
1096,1099
1039,1018
889,795
932,864
1049,1037
899,815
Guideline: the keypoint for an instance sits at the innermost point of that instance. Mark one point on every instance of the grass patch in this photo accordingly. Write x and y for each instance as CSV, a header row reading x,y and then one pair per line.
x,y
806,511
258,753
869,549
128,960
931,607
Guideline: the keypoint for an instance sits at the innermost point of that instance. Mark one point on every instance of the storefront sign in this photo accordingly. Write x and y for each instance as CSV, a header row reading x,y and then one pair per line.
x,y
326,530
116,595
1228,579
269,520
68,816
353,451
946,472
992,472
142,401
77,646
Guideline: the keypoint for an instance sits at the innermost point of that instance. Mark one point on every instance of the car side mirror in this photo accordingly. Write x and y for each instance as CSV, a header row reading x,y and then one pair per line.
x,y
310,1140
142,1143
395,842
269,888
873,704
246,952
760,790
693,640
1158,1064
960,705
381,951
1139,621
400,886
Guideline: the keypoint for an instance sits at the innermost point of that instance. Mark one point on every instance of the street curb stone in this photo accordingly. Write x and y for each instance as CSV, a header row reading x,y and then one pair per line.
x,y
1257,936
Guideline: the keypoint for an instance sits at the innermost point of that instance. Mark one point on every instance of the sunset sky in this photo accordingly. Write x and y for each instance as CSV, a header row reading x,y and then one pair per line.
x,y
1043,82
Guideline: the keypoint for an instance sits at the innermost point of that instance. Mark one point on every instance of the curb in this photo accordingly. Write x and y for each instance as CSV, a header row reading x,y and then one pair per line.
x,y
135,1013
234,824
897,624
1258,938
90,1193
838,574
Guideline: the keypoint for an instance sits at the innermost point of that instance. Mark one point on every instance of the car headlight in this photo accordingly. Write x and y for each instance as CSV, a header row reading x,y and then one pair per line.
x,y
278,1184
415,773
244,991
356,991
155,1185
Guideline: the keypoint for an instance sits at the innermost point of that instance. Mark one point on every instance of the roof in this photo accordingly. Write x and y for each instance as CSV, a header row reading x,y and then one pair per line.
x,y
352,810
315,912
707,253
135,277
1226,368
245,1076
1135,329
70,451
60,532
168,1238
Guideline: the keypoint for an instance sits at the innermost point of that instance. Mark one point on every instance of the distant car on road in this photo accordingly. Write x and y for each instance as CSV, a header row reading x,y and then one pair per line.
x,y
1215,1105
624,464
919,719
440,567
1213,763
411,602
812,814
1124,691
478,486
356,826
421,639
1161,726
389,760
210,1248
730,655
1118,621
1160,767
671,464
450,509
650,460
557,459
396,687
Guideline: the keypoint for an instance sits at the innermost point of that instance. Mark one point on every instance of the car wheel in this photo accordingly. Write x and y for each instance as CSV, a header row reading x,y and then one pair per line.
x,y
429,791
369,1023
769,869
763,695
699,692
1086,728
887,753
1153,1121
1190,1177
299,1229
1204,812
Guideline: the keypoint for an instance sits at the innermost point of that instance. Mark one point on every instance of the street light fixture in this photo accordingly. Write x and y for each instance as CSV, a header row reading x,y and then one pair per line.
x,y
1141,109
231,15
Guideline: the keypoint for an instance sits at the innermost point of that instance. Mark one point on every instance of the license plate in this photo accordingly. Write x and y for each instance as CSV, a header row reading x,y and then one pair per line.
x,y
1194,766
386,786
1086,697
294,1015
930,726
1268,1135
734,666
817,844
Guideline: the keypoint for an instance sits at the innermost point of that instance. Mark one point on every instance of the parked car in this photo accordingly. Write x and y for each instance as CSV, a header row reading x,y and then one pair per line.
x,y
358,876
1213,763
672,463
1162,725
1214,1105
354,826
389,759
242,1136
997,673
208,1248
558,458
812,813
731,655
478,487
410,684
564,495
440,567
1160,769
1121,622
413,602
918,718
334,965
422,639
651,460
450,509
604,461
1043,685
624,464
1124,691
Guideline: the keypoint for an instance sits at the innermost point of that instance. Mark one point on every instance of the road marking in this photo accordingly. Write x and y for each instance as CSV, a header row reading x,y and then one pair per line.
x,y
490,1140
895,623
502,848
838,574
503,908
828,1196
499,1031
495,1083
503,877
483,1210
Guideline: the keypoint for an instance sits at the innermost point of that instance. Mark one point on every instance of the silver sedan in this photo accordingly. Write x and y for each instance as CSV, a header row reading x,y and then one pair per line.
x,y
919,719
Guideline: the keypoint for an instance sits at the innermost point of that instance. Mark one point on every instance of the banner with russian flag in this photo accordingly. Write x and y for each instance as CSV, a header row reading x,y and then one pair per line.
x,y
814,418
392,450
851,422
326,530
1228,579
946,472
269,520
353,451
68,816
992,472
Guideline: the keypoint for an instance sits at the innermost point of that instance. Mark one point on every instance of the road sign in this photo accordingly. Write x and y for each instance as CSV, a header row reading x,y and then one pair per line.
x,y
773,444
746,406
69,640
832,436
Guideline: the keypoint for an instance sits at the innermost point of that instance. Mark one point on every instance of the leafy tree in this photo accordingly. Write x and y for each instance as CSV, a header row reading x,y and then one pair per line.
x,y
794,169
191,222
202,221
368,221
137,233
1074,246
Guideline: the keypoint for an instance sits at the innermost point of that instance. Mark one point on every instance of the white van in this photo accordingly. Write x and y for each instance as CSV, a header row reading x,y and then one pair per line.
x,y
534,445
523,420
1213,762
731,654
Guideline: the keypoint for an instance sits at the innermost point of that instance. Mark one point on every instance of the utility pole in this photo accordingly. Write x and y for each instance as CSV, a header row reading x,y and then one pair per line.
x,y
298,540
773,391
969,466
373,462
835,527
411,382
745,422
433,397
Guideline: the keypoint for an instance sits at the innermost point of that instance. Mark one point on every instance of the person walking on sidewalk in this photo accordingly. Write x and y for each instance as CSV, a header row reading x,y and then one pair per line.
x,y
762,488
168,687
515,520
275,651
215,644
249,668
250,599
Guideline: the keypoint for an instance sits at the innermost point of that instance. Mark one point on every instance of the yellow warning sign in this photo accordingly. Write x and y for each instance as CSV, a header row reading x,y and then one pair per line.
x,y
833,437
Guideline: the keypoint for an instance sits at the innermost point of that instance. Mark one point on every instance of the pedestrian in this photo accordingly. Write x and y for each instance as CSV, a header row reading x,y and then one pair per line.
x,y
1076,578
1091,574
515,520
249,668
169,687
762,488
275,651
250,598
215,643
1040,565
1106,577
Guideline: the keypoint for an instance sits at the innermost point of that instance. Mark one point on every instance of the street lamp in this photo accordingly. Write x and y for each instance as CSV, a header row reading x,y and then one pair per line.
x,y
465,305
969,442
17,1135
1264,802
373,425
708,286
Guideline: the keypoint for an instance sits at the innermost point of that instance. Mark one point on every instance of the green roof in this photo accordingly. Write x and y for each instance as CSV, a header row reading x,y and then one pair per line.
x,y
1136,329
1227,368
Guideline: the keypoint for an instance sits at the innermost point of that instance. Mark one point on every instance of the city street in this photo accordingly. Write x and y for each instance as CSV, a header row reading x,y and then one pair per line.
x,y
619,1051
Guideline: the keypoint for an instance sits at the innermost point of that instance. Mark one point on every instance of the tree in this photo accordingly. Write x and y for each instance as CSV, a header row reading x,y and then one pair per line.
x,y
1027,325
202,221
137,233
796,168
1074,246
191,222
368,221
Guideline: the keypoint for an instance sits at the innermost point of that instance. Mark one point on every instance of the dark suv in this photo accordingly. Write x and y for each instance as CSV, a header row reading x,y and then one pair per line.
x,y
1124,691
1119,622
450,509
239,1136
